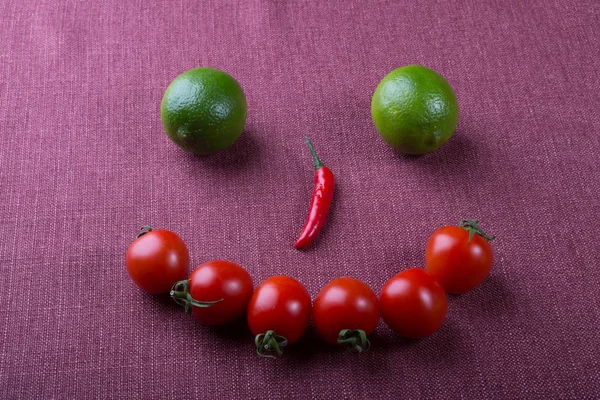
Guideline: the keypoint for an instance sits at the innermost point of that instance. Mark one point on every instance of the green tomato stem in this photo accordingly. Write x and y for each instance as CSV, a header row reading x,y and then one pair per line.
x,y
472,226
180,293
143,230
269,344
354,340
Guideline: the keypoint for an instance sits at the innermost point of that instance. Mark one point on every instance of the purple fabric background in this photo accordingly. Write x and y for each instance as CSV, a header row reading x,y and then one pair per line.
x,y
85,162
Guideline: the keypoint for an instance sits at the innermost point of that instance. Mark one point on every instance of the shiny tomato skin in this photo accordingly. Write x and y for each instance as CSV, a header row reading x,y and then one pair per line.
x,y
281,304
345,303
215,280
458,266
156,260
413,303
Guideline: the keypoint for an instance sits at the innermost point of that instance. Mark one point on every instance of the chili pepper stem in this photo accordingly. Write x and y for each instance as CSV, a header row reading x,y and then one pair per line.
x,y
354,340
316,159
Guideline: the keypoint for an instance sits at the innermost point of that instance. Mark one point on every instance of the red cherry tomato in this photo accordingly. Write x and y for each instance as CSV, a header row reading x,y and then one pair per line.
x,y
460,257
156,260
345,311
413,303
278,314
217,292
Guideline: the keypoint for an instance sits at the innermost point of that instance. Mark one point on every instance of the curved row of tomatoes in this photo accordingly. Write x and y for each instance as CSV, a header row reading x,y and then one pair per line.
x,y
413,303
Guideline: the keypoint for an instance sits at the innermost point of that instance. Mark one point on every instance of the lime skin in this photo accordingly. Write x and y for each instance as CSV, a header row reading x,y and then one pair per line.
x,y
414,110
204,111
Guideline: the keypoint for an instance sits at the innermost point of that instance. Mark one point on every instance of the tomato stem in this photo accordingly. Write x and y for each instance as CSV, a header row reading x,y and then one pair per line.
x,y
316,159
269,344
143,230
180,293
472,226
354,340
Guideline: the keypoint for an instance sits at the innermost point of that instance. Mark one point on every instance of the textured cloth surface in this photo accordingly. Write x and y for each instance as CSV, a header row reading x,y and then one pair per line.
x,y
84,162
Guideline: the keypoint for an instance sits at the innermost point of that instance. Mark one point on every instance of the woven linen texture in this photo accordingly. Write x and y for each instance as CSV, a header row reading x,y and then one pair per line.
x,y
84,162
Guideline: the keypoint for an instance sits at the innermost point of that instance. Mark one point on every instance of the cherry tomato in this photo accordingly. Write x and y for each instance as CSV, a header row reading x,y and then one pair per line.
x,y
345,311
156,260
460,257
217,292
413,303
278,314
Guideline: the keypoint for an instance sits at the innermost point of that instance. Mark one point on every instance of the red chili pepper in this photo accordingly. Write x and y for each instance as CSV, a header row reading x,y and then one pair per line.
x,y
321,200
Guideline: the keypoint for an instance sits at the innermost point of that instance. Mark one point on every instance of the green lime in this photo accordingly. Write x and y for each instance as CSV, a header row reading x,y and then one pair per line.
x,y
414,110
204,110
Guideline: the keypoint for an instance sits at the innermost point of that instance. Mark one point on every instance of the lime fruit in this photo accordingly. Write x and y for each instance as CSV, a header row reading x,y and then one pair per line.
x,y
204,110
414,110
